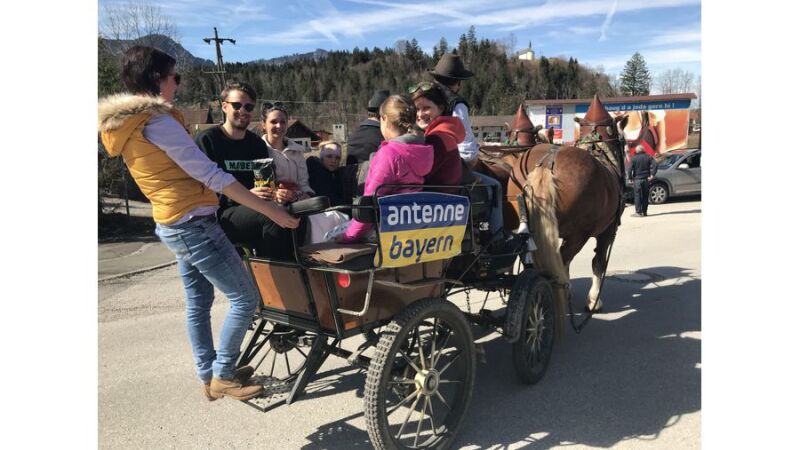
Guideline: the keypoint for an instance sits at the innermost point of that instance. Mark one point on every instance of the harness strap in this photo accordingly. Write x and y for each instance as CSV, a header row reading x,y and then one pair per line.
x,y
551,153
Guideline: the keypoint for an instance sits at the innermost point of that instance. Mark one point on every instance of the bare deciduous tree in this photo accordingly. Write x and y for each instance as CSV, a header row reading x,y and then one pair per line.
x,y
136,20
675,81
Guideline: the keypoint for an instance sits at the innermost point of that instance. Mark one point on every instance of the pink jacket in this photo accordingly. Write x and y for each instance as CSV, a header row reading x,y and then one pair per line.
x,y
395,162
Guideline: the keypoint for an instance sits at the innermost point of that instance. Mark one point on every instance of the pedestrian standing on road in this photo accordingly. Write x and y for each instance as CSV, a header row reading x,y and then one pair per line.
x,y
450,73
234,148
180,181
366,139
642,170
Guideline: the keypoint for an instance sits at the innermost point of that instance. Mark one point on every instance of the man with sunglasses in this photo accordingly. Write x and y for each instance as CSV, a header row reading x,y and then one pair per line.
x,y
234,148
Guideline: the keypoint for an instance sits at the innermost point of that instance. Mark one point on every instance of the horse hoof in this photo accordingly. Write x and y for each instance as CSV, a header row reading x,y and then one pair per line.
x,y
598,307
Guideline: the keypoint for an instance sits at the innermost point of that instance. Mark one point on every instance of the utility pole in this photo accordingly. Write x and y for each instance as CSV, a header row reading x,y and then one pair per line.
x,y
220,72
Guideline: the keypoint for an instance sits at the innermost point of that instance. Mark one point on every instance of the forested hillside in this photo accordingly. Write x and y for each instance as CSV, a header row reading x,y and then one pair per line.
x,y
348,79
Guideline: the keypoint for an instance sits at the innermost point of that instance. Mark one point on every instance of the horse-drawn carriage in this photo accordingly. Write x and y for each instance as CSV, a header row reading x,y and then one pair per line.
x,y
398,296
394,294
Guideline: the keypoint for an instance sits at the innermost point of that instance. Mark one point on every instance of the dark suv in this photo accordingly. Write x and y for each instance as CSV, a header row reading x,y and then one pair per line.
x,y
678,174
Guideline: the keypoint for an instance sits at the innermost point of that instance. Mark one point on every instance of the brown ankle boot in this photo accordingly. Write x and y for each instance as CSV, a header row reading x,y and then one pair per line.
x,y
242,375
221,387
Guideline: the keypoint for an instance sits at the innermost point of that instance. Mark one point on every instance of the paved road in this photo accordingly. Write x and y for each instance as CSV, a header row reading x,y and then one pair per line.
x,y
631,380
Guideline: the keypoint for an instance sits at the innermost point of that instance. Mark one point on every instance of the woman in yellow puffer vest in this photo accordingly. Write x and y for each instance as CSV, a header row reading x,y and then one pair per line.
x,y
181,183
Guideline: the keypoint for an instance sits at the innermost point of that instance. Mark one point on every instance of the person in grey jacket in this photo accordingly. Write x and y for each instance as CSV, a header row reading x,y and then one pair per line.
x,y
641,171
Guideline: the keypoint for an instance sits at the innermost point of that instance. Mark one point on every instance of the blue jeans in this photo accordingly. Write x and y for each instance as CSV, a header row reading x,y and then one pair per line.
x,y
207,259
496,216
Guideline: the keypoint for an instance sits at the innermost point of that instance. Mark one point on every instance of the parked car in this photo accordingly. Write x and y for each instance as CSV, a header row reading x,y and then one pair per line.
x,y
678,174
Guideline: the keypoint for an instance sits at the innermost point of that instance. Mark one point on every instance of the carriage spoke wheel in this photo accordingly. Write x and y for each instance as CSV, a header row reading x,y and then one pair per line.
x,y
531,353
420,381
284,352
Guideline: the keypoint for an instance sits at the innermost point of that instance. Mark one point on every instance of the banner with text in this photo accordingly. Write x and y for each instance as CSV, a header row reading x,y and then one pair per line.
x,y
421,226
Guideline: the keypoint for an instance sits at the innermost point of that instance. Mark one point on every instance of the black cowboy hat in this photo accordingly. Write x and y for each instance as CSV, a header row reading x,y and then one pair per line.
x,y
450,66
377,99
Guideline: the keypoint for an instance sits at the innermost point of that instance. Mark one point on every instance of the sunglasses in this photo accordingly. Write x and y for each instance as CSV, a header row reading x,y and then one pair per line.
x,y
332,156
269,106
425,86
177,77
249,107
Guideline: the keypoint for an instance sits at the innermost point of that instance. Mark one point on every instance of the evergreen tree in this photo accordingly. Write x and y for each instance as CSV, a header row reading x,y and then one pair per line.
x,y
440,49
635,78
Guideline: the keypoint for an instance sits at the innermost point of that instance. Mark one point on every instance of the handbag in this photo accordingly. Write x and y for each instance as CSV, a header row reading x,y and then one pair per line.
x,y
323,227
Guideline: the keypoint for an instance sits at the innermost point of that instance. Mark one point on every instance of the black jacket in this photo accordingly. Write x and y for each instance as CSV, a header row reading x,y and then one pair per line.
x,y
642,167
364,141
324,182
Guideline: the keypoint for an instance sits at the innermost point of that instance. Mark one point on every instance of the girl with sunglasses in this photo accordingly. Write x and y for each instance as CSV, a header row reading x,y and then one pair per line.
x,y
443,132
288,156
181,183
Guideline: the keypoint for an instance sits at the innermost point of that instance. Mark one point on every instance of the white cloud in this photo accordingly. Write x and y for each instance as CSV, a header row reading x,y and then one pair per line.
x,y
607,22
653,58
548,12
675,37
578,30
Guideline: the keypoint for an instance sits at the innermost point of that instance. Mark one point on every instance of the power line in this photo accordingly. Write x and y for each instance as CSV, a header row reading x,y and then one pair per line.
x,y
220,67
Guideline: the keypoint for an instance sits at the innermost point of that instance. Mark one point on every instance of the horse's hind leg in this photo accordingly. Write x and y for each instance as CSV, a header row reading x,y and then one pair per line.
x,y
570,246
599,265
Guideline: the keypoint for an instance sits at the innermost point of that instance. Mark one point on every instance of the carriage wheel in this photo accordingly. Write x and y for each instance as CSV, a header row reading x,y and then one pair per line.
x,y
420,381
531,353
278,352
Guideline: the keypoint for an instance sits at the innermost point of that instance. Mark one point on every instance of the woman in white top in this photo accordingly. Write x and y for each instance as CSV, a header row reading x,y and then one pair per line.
x,y
290,164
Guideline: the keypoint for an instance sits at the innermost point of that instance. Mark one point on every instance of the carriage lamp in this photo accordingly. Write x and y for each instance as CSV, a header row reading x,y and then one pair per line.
x,y
343,280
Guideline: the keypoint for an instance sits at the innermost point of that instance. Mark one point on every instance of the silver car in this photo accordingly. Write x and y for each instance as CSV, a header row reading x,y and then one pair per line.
x,y
678,174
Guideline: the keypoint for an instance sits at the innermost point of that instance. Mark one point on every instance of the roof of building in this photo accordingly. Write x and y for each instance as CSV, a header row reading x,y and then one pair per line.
x,y
491,121
606,100
297,128
196,115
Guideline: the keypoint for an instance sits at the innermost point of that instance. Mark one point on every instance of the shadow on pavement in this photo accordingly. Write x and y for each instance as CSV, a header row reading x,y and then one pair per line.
x,y
119,227
632,373
689,211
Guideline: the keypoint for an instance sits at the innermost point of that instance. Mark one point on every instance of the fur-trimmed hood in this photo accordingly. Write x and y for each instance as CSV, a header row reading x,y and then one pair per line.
x,y
119,115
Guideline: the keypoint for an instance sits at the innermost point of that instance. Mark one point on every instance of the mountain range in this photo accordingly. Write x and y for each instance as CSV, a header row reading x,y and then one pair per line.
x,y
183,56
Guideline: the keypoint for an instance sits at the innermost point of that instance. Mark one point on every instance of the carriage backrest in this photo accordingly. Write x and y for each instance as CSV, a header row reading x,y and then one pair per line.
x,y
419,227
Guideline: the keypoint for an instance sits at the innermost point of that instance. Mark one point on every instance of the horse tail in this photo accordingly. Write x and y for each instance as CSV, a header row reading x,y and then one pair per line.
x,y
541,201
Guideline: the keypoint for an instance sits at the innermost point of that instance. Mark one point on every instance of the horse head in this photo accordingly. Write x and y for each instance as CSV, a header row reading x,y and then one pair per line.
x,y
522,131
599,135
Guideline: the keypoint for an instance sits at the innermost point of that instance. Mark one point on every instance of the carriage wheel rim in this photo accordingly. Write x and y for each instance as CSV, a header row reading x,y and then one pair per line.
x,y
430,367
278,365
537,332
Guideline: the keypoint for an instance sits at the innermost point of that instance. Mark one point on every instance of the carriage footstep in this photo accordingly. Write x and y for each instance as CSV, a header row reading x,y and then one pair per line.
x,y
275,392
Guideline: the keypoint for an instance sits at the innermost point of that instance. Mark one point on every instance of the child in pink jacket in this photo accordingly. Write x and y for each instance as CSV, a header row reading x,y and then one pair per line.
x,y
402,158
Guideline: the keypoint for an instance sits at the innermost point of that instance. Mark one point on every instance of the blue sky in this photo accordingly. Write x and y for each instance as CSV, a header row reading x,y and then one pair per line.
x,y
596,32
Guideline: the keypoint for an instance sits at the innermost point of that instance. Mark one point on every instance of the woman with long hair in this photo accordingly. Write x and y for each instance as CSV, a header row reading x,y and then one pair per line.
x,y
181,183
442,132
287,155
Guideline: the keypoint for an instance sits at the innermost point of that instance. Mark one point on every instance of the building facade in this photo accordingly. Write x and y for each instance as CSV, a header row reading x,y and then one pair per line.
x,y
665,116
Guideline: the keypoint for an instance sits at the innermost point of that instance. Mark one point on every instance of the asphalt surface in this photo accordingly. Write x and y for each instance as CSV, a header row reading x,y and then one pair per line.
x,y
630,380
122,255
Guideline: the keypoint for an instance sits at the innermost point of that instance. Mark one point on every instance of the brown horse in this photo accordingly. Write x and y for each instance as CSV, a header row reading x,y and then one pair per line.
x,y
572,193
